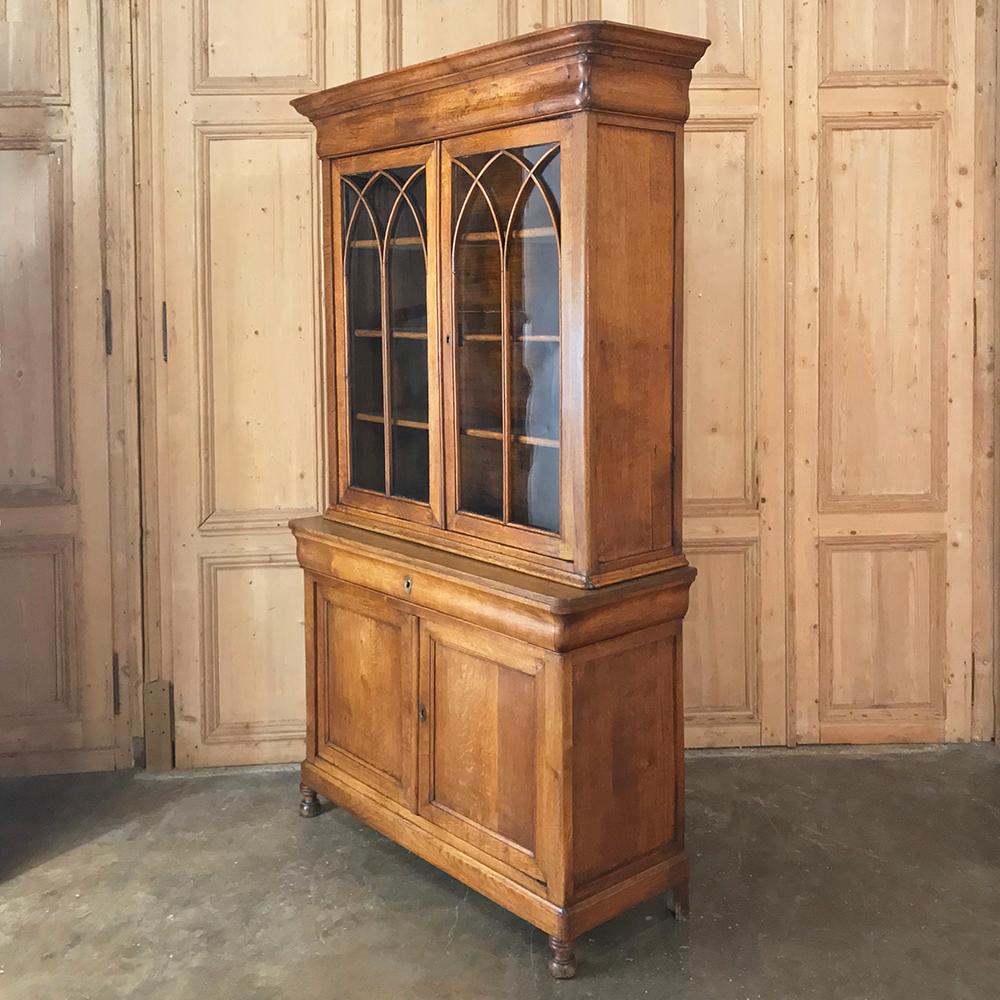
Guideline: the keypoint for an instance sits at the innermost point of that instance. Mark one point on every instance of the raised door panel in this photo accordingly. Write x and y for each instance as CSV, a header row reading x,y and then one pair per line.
x,y
631,346
366,689
482,741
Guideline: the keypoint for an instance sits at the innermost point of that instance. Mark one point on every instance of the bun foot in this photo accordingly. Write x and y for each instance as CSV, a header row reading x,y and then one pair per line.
x,y
309,806
678,902
562,964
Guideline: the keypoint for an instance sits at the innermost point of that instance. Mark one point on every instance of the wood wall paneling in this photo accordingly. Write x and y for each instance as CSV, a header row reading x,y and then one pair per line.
x,y
865,375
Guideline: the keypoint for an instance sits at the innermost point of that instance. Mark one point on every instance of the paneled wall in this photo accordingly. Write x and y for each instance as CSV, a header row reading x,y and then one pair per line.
x,y
827,368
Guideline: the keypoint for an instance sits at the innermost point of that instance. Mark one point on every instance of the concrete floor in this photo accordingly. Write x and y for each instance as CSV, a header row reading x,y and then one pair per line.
x,y
815,875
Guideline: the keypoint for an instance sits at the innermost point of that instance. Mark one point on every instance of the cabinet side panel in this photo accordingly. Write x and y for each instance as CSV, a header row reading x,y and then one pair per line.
x,y
630,301
623,755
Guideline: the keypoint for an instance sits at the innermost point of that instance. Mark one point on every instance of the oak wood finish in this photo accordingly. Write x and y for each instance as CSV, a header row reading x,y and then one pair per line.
x,y
619,328
494,665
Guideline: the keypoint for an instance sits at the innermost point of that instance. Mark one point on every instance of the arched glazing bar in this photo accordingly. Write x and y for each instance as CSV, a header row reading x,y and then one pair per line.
x,y
385,268
505,259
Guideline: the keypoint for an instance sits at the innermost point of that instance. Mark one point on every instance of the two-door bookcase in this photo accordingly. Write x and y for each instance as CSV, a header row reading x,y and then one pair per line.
x,y
494,595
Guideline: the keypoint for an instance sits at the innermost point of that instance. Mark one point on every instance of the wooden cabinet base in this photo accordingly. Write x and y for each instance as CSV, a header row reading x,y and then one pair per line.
x,y
525,737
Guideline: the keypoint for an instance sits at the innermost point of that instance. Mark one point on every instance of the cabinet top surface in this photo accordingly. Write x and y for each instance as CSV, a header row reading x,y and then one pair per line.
x,y
572,54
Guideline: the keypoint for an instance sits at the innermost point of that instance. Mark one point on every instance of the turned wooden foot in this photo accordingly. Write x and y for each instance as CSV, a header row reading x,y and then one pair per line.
x,y
562,964
309,806
678,902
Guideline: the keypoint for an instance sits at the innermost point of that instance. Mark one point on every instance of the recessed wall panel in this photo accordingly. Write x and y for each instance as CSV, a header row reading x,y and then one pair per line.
x,y
32,49
32,315
719,362
720,631
35,628
730,24
257,46
259,324
877,42
253,648
429,30
881,627
882,310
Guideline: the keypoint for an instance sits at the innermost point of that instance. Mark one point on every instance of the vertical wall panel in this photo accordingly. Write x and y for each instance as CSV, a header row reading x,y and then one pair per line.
x,y
34,443
882,313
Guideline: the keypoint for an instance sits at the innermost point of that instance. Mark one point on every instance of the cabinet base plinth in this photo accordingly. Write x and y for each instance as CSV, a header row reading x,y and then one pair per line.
x,y
563,923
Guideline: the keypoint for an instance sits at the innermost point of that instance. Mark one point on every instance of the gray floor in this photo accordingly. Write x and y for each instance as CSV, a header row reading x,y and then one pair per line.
x,y
828,875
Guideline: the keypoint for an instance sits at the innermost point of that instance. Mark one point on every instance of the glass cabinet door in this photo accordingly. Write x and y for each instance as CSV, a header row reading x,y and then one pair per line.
x,y
386,257
505,282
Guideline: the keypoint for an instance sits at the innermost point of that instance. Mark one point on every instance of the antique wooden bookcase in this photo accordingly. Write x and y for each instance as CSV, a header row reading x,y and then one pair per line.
x,y
494,596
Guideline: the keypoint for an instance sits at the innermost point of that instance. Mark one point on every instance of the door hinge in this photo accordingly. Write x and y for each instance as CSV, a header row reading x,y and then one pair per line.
x,y
106,299
975,327
116,685
163,329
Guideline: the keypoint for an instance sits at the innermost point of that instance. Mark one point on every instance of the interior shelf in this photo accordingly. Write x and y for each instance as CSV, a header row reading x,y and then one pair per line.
x,y
396,334
495,338
398,241
496,435
522,234
376,418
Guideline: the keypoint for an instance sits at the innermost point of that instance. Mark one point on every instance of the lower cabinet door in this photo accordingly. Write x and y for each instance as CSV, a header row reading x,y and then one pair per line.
x,y
366,688
482,739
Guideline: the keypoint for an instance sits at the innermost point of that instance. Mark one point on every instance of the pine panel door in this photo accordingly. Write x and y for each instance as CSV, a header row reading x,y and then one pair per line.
x,y
237,311
233,325
56,682
881,330
734,633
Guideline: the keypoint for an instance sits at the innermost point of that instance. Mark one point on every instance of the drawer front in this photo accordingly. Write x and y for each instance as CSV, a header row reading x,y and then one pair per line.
x,y
482,726
366,688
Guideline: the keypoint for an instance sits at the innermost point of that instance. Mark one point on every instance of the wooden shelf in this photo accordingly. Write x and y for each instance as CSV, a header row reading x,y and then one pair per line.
x,y
399,241
496,435
396,334
375,418
495,338
522,234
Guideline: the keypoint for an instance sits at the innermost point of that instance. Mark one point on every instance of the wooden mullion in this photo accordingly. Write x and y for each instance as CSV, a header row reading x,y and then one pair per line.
x,y
505,380
386,360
